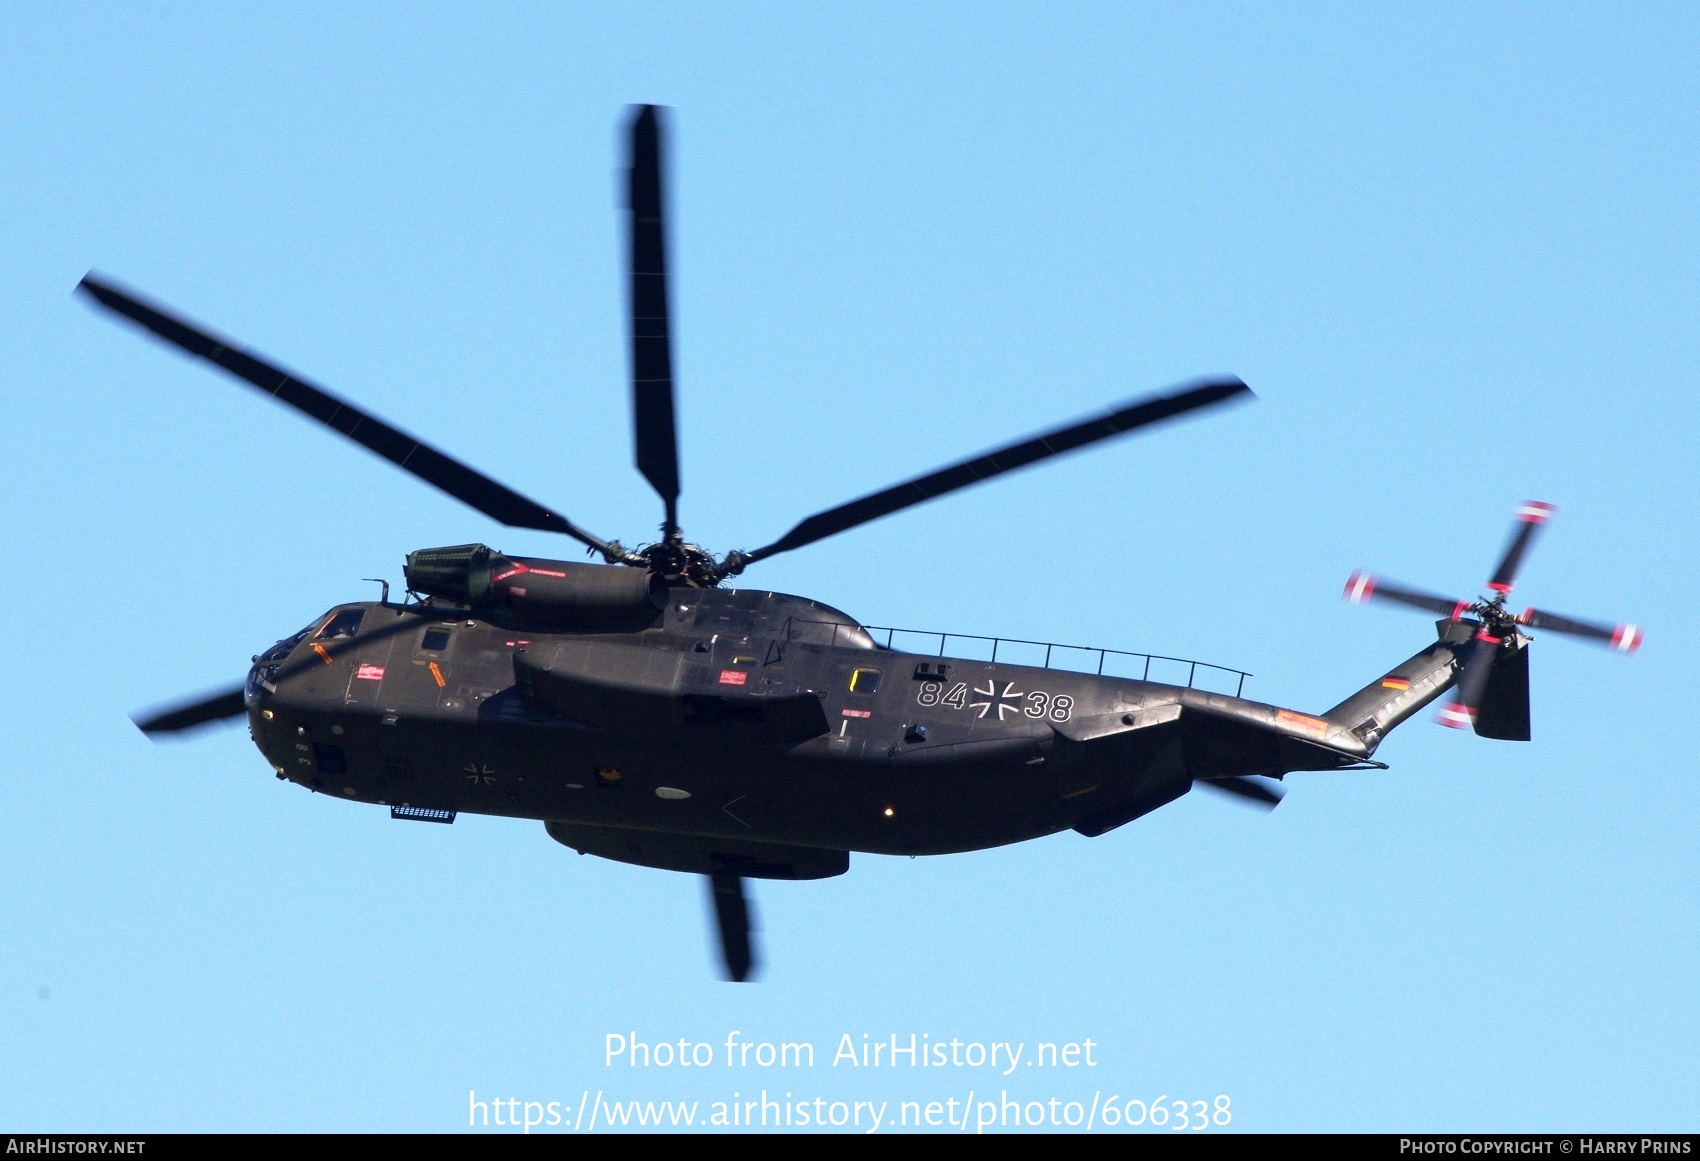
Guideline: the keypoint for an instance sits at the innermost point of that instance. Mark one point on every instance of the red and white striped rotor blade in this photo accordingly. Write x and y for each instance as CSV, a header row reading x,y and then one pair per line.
x,y
1625,638
1459,712
1362,587
1530,517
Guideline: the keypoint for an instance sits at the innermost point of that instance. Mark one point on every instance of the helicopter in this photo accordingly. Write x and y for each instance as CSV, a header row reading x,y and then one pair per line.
x,y
648,713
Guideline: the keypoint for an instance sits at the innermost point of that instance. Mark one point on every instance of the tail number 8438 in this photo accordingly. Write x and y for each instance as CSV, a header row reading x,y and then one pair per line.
x,y
989,700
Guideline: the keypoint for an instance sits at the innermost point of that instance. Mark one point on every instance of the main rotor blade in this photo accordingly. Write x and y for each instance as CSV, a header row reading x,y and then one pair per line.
x,y
471,487
1460,712
1128,418
732,917
652,351
1530,517
175,719
1625,638
1362,587
1251,789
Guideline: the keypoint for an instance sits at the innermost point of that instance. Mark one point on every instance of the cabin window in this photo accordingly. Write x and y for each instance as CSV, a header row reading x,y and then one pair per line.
x,y
344,624
864,680
436,639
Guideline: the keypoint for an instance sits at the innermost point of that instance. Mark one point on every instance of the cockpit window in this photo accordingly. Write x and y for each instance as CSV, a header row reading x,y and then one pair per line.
x,y
344,624
436,639
864,681
282,649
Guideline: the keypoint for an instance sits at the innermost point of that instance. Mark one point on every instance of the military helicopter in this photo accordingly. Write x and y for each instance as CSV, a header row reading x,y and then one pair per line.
x,y
649,714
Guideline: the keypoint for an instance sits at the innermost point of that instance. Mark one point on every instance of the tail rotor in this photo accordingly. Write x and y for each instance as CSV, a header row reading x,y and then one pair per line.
x,y
1492,691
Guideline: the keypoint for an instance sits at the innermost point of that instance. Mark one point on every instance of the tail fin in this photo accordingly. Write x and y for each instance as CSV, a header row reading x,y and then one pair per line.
x,y
1387,701
1504,709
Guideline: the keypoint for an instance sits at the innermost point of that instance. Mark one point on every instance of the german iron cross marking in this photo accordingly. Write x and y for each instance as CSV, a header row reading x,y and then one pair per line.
x,y
993,698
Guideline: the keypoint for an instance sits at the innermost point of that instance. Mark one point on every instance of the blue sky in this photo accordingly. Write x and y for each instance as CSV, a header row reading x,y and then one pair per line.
x,y
1453,249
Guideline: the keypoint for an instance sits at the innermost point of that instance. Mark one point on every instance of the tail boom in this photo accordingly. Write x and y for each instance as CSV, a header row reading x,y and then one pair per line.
x,y
1393,698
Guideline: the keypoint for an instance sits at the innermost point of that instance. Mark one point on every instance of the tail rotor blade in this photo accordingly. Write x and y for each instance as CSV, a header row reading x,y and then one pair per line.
x,y
1255,790
1530,517
652,351
1362,587
203,711
1625,638
1460,712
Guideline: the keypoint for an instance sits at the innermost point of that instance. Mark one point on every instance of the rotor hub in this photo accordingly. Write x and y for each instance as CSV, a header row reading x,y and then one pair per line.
x,y
1494,616
680,565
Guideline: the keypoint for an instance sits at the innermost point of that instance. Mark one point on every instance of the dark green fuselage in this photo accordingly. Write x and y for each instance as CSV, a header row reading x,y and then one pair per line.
x,y
861,748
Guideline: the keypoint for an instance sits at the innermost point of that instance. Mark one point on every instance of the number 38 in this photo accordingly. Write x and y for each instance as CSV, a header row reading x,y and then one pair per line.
x,y
1041,704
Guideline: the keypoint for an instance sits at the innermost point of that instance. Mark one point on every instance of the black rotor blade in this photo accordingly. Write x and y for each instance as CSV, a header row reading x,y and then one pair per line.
x,y
1530,517
1252,789
652,351
732,916
471,487
203,711
1128,418
1460,712
1361,587
1625,638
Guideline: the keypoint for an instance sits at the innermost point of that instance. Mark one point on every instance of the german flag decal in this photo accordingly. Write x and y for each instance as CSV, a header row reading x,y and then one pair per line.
x,y
1399,683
